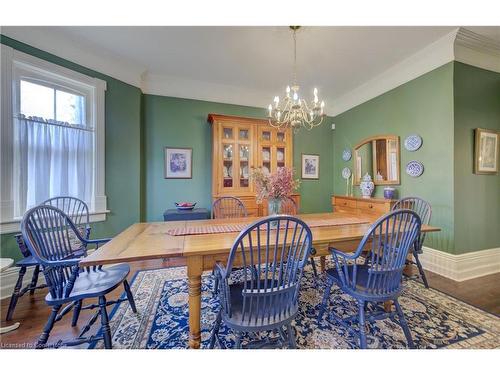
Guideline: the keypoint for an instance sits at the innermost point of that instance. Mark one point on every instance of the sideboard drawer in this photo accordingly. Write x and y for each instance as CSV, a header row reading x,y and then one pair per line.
x,y
345,203
371,207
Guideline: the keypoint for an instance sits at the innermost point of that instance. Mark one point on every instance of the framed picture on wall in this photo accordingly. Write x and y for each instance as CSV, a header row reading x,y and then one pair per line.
x,y
486,150
178,162
310,167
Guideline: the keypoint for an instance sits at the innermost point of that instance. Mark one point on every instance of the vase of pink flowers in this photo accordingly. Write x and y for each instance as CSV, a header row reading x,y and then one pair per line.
x,y
274,187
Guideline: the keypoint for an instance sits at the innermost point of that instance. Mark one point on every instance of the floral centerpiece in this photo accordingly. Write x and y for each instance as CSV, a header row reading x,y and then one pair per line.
x,y
274,186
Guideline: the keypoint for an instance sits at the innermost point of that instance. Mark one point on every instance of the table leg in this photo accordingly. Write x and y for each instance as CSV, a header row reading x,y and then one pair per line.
x,y
322,263
194,271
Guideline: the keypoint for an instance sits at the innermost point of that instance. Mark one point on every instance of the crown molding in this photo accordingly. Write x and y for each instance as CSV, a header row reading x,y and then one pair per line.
x,y
477,50
427,59
461,45
75,51
180,87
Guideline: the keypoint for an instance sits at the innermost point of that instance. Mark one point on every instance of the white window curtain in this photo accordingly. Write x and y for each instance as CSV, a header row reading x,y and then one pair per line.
x,y
51,159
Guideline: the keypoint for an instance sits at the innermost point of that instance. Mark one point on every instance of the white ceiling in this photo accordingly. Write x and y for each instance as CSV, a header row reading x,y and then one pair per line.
x,y
205,62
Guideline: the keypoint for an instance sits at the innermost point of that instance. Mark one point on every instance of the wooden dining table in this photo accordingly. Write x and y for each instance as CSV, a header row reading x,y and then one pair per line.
x,y
144,241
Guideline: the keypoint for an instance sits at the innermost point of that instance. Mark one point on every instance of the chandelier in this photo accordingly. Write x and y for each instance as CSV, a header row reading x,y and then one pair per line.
x,y
292,111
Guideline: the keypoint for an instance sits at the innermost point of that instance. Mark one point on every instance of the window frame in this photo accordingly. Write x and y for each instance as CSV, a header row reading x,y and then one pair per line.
x,y
14,66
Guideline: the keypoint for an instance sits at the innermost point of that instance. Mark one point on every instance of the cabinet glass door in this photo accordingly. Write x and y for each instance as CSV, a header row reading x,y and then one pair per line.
x,y
244,159
227,165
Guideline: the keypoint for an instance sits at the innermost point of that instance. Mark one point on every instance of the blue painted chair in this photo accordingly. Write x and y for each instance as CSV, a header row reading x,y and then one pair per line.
x,y
228,208
48,233
78,211
424,210
378,278
265,295
289,207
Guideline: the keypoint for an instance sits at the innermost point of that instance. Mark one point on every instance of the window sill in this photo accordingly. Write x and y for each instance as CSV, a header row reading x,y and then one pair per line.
x,y
13,225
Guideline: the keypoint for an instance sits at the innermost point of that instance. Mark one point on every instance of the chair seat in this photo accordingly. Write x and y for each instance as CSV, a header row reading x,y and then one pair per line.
x,y
362,275
27,262
236,320
361,278
94,283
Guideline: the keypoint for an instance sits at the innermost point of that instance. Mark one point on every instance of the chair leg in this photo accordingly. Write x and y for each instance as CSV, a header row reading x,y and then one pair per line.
x,y
326,297
44,337
421,269
404,325
216,283
215,331
15,293
130,296
313,264
362,325
106,330
34,279
76,313
292,343
238,340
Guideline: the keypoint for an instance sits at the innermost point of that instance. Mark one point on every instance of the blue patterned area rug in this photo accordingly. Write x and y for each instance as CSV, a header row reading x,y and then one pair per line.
x,y
436,320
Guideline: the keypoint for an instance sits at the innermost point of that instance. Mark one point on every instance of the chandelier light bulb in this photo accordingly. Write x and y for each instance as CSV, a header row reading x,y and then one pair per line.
x,y
315,91
270,110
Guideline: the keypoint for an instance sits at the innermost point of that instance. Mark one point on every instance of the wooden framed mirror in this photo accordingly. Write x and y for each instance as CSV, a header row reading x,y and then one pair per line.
x,y
379,157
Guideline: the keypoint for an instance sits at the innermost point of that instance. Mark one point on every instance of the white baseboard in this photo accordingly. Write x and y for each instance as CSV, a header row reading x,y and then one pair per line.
x,y
8,279
463,266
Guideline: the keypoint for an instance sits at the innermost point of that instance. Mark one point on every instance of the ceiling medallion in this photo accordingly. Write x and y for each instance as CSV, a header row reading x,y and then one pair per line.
x,y
292,111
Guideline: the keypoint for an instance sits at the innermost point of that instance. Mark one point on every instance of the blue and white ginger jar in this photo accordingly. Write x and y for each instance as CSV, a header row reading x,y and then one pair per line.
x,y
366,186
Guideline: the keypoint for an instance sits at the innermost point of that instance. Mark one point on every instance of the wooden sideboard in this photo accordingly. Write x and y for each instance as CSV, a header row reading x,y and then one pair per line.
x,y
374,206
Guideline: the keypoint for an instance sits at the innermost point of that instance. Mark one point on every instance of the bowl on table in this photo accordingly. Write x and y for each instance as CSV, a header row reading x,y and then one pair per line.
x,y
185,206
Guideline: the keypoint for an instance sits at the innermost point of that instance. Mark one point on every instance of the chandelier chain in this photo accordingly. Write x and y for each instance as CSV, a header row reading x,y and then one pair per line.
x,y
294,57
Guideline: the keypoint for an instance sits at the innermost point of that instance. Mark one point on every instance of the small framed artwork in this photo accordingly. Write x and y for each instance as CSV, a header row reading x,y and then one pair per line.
x,y
486,150
310,167
178,162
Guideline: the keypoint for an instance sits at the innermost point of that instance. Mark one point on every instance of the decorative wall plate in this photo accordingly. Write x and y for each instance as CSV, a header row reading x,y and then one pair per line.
x,y
346,154
413,142
346,173
414,168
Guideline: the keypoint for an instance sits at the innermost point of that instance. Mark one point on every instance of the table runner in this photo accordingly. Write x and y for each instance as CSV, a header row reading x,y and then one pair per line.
x,y
238,227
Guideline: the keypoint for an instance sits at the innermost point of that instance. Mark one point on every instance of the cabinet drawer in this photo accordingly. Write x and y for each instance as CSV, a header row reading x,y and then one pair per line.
x,y
344,203
370,207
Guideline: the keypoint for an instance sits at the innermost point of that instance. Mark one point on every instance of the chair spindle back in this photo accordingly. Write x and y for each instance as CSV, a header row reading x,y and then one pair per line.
x,y
272,263
289,207
48,232
228,208
76,209
421,207
388,242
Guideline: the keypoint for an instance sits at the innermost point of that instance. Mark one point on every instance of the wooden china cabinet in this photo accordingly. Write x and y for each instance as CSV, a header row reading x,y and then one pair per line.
x,y
240,144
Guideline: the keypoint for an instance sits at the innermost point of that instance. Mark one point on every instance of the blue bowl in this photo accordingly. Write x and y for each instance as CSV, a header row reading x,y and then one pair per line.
x,y
184,208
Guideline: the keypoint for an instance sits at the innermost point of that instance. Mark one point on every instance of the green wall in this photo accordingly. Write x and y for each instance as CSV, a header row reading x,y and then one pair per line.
x,y
123,150
423,106
443,106
477,197
179,122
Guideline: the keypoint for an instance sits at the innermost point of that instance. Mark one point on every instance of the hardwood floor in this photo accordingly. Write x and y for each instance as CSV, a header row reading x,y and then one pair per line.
x,y
32,312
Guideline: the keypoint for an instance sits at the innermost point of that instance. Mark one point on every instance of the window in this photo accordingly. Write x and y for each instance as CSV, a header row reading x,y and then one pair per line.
x,y
37,99
53,141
